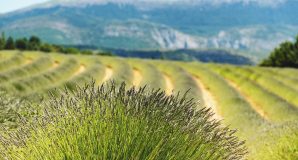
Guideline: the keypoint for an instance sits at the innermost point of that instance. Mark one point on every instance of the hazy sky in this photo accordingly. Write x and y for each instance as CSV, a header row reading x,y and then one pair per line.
x,y
10,5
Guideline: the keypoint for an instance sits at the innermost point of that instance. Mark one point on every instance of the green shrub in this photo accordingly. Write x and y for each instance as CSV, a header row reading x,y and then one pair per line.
x,y
71,51
87,52
46,48
111,122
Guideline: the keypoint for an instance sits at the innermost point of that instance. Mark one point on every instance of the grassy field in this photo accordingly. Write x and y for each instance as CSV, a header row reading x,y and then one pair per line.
x,y
261,103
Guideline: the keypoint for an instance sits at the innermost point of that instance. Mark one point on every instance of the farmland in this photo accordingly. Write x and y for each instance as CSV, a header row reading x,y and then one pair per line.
x,y
261,103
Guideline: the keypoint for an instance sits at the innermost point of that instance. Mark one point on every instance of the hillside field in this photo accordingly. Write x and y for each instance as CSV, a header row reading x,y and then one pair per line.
x,y
261,103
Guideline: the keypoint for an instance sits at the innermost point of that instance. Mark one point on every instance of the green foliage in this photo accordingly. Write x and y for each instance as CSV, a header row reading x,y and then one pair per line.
x,y
286,55
46,48
34,43
70,51
114,123
10,44
22,44
87,52
2,41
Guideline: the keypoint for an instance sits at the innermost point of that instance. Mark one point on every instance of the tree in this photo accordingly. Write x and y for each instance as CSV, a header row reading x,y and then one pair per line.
x,y
22,44
57,48
2,41
47,48
34,43
87,52
9,44
286,55
71,51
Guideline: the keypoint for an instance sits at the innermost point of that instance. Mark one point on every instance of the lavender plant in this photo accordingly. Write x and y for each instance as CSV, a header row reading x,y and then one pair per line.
x,y
9,106
110,122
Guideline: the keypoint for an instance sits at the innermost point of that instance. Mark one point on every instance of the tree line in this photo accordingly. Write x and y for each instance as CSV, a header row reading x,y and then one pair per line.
x,y
34,43
286,55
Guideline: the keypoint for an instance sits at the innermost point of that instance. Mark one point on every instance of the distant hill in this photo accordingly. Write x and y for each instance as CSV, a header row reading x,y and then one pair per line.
x,y
255,27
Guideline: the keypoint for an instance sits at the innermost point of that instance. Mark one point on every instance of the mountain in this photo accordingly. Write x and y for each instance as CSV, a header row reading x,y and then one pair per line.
x,y
246,26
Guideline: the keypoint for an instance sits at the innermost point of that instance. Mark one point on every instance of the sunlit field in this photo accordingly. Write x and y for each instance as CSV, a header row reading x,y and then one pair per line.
x,y
260,103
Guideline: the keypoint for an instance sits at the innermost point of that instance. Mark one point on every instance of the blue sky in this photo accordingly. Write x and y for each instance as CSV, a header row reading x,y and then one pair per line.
x,y
10,5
